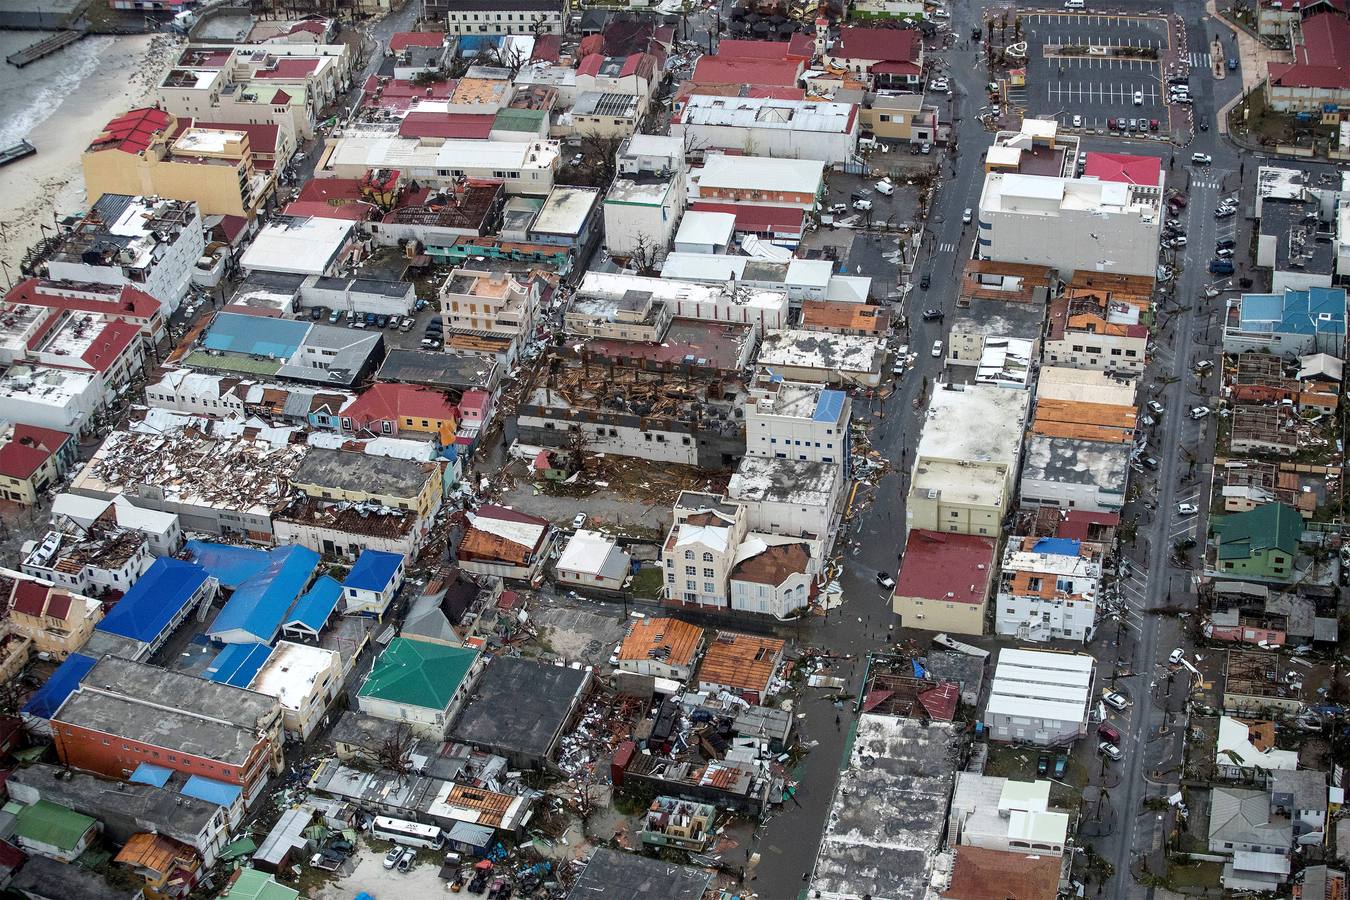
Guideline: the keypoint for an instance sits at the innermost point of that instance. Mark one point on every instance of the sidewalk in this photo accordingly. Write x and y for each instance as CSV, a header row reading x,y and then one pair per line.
x,y
1255,59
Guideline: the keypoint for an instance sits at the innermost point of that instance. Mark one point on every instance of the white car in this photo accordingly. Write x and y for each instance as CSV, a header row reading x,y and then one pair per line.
x,y
1138,98
1187,509
1110,751
578,521
1156,408
884,187
967,214
1201,159
1199,412
1077,121
1177,656
937,348
939,86
1114,700
862,205
941,13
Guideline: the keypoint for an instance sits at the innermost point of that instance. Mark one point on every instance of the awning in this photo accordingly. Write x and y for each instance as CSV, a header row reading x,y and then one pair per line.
x,y
212,791
147,773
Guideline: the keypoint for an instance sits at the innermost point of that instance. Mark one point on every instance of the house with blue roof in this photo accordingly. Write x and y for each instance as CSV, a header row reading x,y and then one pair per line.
x,y
160,600
312,611
1048,589
46,700
370,586
263,597
1292,323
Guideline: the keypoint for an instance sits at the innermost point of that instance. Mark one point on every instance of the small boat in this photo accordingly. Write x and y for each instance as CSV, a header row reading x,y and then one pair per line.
x,y
16,152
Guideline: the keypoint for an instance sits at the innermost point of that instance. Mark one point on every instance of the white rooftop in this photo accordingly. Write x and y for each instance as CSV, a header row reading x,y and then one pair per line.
x,y
526,534
565,210
44,385
1041,684
1084,386
760,112
615,285
586,552
796,348
389,150
290,672
1051,195
1235,748
297,246
206,140
976,423
761,173
698,227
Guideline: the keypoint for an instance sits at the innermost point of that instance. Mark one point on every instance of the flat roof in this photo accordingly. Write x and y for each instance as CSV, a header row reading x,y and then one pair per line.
x,y
1041,684
796,348
614,875
952,568
566,210
974,423
520,706
751,173
1065,460
301,246
290,672
798,482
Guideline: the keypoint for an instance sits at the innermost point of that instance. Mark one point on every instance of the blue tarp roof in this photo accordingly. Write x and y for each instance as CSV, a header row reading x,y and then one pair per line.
x,y
149,773
231,565
238,663
257,335
210,790
1057,546
48,699
317,605
828,406
259,605
155,598
1318,310
373,571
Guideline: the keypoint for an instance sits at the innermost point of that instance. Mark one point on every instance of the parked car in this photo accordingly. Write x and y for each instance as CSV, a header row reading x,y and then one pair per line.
x,y
578,521
1108,732
1061,765
1204,367
335,317
924,281
885,581
926,148
862,205
931,314
1224,252
1138,98
1199,412
1187,509
1150,462
1042,764
392,857
1224,243
837,208
407,324
381,321
1176,656
1220,267
937,349
1232,63
1156,408
967,215
1201,159
316,313
1178,241
1178,200
405,862
1203,125
884,187
1110,751
1115,701
1077,121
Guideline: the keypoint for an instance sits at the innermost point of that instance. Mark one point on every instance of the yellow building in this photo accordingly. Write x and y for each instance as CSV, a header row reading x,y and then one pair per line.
x,y
32,459
147,152
893,117
944,582
391,409
359,478
55,621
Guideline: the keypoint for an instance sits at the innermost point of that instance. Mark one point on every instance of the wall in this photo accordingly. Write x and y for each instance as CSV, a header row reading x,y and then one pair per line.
x,y
1092,497
939,615
1084,350
625,222
832,147
1025,618
775,600
1040,732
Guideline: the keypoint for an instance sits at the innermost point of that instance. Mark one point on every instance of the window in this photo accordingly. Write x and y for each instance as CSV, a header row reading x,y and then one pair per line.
x,y
709,587
689,554
707,573
671,578
707,557
691,570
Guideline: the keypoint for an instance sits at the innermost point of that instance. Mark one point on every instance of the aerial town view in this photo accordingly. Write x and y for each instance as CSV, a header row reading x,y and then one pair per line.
x,y
674,449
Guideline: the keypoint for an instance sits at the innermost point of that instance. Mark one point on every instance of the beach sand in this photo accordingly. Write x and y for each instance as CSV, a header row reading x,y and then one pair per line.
x,y
51,184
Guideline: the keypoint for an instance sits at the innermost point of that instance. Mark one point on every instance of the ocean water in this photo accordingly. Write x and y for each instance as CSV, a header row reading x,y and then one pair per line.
x,y
33,93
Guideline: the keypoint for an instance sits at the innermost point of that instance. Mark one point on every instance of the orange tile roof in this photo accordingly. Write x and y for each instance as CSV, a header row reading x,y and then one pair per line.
x,y
981,874
1072,418
741,661
1078,432
858,316
157,853
680,639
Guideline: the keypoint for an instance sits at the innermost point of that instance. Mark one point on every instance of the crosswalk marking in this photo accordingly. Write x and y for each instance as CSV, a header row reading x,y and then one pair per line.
x,y
946,248
1206,184
1199,60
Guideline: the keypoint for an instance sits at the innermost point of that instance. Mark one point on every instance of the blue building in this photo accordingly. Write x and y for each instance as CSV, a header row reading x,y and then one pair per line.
x,y
1292,323
267,584
370,586
157,603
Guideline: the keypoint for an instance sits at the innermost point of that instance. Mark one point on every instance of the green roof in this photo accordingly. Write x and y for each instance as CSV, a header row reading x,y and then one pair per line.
x,y
415,673
518,119
254,885
52,825
1271,526
200,359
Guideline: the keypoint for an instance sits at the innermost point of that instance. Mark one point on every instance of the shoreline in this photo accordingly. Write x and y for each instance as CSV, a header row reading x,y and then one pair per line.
x,y
50,184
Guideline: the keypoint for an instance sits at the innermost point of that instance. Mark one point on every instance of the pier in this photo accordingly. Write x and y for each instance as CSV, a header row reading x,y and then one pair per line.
x,y
45,47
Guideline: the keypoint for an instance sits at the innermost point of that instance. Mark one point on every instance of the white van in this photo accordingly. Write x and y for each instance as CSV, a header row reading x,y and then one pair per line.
x,y
1075,4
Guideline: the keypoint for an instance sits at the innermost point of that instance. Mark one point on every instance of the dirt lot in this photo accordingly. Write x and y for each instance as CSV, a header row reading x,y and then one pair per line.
x,y
370,875
577,633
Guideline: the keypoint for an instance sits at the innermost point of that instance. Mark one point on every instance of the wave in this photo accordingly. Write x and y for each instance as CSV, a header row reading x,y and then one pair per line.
x,y
33,93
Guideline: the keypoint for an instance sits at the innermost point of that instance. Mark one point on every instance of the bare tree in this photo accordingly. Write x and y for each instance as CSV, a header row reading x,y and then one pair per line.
x,y
601,152
644,254
511,59
395,752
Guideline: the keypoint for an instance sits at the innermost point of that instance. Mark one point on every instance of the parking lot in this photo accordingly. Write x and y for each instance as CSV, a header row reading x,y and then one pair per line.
x,y
1098,87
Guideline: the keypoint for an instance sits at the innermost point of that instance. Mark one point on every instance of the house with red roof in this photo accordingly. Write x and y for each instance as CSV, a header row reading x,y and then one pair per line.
x,y
419,52
635,74
387,409
719,69
1126,168
944,581
1319,76
108,302
56,620
798,50
32,459
893,57
1276,18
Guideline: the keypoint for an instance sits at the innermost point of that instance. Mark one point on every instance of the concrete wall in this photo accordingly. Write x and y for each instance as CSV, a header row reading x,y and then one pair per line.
x,y
939,615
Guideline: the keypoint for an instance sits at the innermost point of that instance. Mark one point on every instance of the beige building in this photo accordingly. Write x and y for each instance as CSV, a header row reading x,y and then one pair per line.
x,y
143,153
1090,329
701,548
305,680
497,304
361,479
56,621
893,117
964,470
944,582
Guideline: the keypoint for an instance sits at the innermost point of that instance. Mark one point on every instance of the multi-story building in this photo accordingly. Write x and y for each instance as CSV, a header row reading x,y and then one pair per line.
x,y
964,468
32,459
898,117
499,306
524,167
473,17
126,714
1048,589
797,129
944,582
148,151
58,621
700,549
889,58
33,301
148,243
646,199
98,559
792,420
1070,223
1092,330
776,579
758,181
341,476
1319,75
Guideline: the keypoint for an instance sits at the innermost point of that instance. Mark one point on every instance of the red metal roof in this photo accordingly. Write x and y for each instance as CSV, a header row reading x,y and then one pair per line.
x,y
129,301
758,219
881,44
132,132
940,702
389,402
1077,522
471,126
262,138
717,70
801,46
1322,60
954,568
28,448
111,341
734,49
402,40
290,67
317,209
1124,167
398,93
547,48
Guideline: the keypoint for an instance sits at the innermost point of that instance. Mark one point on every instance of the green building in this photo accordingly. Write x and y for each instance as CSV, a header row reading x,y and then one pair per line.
x,y
1260,544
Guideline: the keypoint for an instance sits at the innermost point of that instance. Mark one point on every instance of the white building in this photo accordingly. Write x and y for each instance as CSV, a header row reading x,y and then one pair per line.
x,y
788,496
505,17
594,560
793,420
761,308
1239,757
49,397
94,561
797,129
372,583
845,359
1006,815
705,232
700,549
758,181
1070,223
964,469
311,246
305,680
148,243
1048,589
161,529
524,167
647,197
772,576
1038,697
800,279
